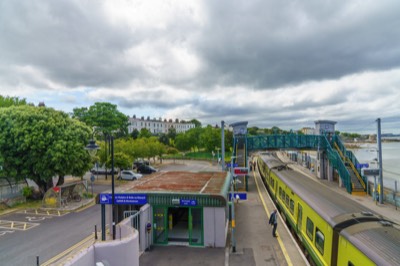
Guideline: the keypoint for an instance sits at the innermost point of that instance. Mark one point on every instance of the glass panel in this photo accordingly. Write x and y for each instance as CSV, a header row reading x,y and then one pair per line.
x,y
160,231
310,228
319,241
196,227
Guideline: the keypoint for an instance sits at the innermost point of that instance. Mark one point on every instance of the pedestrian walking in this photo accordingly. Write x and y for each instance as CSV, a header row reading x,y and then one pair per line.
x,y
273,221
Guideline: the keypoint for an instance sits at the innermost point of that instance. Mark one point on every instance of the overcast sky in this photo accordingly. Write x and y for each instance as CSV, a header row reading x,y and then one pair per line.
x,y
269,62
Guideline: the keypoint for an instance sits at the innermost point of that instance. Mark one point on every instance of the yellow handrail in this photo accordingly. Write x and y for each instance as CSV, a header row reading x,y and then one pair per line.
x,y
351,165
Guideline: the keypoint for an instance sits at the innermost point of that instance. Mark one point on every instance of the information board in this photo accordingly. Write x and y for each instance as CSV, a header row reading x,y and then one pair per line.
x,y
137,199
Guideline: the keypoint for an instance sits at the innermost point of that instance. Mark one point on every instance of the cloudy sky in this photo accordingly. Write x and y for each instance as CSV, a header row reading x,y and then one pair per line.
x,y
269,62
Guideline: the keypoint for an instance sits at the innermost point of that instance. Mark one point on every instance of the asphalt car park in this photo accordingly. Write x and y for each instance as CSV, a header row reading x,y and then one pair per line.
x,y
25,219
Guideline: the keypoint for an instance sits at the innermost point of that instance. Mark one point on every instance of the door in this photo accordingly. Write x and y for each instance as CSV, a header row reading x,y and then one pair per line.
x,y
160,235
299,218
196,226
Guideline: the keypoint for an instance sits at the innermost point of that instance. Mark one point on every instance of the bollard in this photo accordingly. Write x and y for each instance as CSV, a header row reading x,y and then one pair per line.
x,y
95,231
37,260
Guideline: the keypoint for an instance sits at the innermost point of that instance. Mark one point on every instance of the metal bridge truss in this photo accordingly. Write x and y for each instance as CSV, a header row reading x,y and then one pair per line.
x,y
341,160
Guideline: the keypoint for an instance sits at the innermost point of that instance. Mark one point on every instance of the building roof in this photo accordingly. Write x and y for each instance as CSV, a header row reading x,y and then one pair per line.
x,y
207,183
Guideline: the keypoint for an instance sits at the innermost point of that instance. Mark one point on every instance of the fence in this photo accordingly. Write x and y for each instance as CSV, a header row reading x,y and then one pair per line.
x,y
8,192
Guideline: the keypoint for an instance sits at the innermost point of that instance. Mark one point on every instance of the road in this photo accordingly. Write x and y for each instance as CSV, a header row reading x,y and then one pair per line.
x,y
45,235
30,233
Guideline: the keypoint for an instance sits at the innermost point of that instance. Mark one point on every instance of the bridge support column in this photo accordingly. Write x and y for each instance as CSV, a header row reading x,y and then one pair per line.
x,y
324,169
329,169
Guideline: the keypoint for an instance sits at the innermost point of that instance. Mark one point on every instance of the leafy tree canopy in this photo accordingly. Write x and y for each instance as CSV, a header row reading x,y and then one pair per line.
x,y
196,122
6,101
39,143
104,117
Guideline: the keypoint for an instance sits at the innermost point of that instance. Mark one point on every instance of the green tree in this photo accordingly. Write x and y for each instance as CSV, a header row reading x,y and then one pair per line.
x,y
195,122
144,133
253,131
105,117
135,133
39,143
210,138
7,101
171,134
182,142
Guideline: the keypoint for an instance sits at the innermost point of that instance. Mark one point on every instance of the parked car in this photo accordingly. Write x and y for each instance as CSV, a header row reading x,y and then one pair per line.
x,y
138,163
146,169
102,171
129,175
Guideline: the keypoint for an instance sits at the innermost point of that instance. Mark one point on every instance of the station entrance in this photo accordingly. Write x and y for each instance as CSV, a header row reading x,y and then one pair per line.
x,y
178,225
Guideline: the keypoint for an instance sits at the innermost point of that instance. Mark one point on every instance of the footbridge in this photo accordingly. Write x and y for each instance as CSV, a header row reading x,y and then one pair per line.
x,y
332,156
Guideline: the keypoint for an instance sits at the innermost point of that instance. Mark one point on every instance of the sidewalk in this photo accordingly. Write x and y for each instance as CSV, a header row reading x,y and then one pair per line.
x,y
386,210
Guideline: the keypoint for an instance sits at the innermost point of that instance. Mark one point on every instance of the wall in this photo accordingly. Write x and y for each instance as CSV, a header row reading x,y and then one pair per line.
x,y
124,251
214,227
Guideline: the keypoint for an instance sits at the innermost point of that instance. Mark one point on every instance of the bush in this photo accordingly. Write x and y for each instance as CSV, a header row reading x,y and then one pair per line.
x,y
27,192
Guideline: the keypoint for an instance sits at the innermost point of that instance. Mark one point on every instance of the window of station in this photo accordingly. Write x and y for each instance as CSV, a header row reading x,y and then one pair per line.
x,y
319,241
310,228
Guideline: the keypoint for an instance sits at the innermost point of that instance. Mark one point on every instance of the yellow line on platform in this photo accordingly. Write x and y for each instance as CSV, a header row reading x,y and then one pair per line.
x,y
67,252
284,251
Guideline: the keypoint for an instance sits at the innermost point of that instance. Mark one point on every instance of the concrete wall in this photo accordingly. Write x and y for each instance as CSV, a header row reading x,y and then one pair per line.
x,y
124,251
214,227
146,216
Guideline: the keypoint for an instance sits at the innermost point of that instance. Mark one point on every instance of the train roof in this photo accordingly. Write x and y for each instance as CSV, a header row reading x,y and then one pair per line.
x,y
380,241
332,206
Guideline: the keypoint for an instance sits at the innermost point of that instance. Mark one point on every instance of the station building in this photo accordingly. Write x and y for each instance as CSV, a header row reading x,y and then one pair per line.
x,y
182,208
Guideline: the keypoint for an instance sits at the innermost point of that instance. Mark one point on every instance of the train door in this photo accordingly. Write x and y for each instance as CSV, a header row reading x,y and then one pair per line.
x,y
299,217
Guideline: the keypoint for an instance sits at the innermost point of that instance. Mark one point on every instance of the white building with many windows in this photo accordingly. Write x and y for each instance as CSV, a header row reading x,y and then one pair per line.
x,y
157,126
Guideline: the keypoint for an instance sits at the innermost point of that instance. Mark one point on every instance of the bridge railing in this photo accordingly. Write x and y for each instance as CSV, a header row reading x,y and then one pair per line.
x,y
302,142
352,158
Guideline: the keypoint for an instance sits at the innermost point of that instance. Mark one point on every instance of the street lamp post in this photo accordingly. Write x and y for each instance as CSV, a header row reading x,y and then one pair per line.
x,y
92,148
112,187
233,240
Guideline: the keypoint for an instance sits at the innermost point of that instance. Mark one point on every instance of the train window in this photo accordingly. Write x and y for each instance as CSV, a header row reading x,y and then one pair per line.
x,y
310,228
287,200
319,241
350,263
280,193
291,206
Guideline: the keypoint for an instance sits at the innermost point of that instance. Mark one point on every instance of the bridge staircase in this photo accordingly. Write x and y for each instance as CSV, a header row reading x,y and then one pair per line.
x,y
240,153
358,184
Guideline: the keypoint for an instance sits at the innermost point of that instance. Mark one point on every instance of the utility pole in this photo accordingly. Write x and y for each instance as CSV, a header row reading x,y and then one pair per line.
x,y
380,160
223,145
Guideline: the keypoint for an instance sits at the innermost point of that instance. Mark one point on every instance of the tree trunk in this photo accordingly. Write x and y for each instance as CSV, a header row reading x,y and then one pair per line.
x,y
60,181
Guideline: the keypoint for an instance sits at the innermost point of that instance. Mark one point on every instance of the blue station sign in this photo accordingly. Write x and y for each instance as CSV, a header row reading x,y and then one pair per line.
x,y
139,199
188,202
236,195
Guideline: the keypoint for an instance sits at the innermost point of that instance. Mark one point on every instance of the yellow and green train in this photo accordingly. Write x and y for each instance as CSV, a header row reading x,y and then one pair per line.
x,y
332,229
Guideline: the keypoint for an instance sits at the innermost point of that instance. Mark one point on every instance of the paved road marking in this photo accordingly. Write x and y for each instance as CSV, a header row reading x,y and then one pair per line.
x,y
2,233
16,225
44,212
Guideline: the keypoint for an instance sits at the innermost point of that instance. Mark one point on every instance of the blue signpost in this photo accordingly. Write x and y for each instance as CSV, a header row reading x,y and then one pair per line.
x,y
137,199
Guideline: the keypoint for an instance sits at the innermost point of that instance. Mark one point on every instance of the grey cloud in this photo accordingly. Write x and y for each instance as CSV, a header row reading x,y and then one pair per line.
x,y
262,45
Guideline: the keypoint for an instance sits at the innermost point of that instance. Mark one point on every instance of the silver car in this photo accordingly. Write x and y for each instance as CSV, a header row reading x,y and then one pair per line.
x,y
129,175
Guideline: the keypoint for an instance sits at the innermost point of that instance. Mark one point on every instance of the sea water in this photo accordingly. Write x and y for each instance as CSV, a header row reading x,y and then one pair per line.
x,y
368,153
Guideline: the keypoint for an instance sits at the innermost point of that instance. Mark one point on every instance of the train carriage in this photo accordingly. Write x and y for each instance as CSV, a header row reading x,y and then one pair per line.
x,y
315,213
